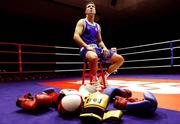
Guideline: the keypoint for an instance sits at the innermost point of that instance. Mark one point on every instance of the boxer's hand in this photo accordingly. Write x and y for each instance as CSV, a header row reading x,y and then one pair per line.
x,y
89,48
105,52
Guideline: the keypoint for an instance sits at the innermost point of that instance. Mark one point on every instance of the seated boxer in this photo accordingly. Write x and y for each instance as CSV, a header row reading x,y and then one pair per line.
x,y
92,48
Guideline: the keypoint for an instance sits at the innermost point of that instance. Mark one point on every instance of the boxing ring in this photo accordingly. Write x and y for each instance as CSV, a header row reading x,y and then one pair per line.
x,y
33,68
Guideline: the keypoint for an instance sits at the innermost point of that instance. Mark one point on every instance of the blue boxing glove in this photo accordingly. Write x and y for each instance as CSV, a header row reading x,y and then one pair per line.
x,y
147,106
150,97
112,92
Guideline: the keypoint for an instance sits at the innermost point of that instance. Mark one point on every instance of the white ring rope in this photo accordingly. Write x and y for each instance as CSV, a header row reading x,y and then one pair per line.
x,y
149,44
143,60
150,51
141,67
176,65
176,47
146,51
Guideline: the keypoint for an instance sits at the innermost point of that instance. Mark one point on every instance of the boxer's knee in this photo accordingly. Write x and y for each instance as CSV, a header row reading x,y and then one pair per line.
x,y
91,56
118,59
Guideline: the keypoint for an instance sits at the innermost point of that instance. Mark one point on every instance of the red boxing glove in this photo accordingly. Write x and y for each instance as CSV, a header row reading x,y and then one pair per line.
x,y
133,99
43,100
120,103
27,102
53,94
126,94
31,103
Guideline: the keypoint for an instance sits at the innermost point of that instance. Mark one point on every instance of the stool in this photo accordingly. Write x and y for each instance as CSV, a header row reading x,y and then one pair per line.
x,y
100,72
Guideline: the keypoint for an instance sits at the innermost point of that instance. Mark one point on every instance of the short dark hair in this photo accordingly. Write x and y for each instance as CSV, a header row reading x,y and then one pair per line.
x,y
89,2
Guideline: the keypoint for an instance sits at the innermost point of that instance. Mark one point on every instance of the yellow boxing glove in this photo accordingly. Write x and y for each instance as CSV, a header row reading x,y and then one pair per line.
x,y
113,116
95,106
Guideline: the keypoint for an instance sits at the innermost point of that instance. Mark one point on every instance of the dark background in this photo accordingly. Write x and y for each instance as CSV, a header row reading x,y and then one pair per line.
x,y
123,22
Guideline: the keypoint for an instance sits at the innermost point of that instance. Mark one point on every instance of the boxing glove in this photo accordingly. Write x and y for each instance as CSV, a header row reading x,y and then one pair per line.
x,y
53,94
43,100
117,91
70,105
146,106
94,106
28,102
113,116
86,90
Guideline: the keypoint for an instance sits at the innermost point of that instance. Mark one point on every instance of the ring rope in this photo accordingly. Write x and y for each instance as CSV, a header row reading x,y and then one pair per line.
x,y
146,51
9,62
33,45
141,60
40,53
148,44
69,70
9,72
176,65
141,67
8,52
53,63
65,54
50,46
150,51
42,62
35,71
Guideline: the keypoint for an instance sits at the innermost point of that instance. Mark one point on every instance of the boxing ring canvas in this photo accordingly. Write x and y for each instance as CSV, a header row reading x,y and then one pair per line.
x,y
166,88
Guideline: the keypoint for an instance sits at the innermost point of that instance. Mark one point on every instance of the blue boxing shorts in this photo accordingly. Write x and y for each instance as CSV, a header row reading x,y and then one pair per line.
x,y
99,52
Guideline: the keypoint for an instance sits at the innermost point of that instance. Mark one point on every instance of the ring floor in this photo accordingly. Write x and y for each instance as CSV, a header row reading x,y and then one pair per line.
x,y
166,88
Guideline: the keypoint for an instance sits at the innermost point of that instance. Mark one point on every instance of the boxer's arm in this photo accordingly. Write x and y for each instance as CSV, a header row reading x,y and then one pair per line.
x,y
77,35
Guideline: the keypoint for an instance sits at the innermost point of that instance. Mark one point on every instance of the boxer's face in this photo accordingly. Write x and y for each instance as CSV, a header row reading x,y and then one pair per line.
x,y
90,9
